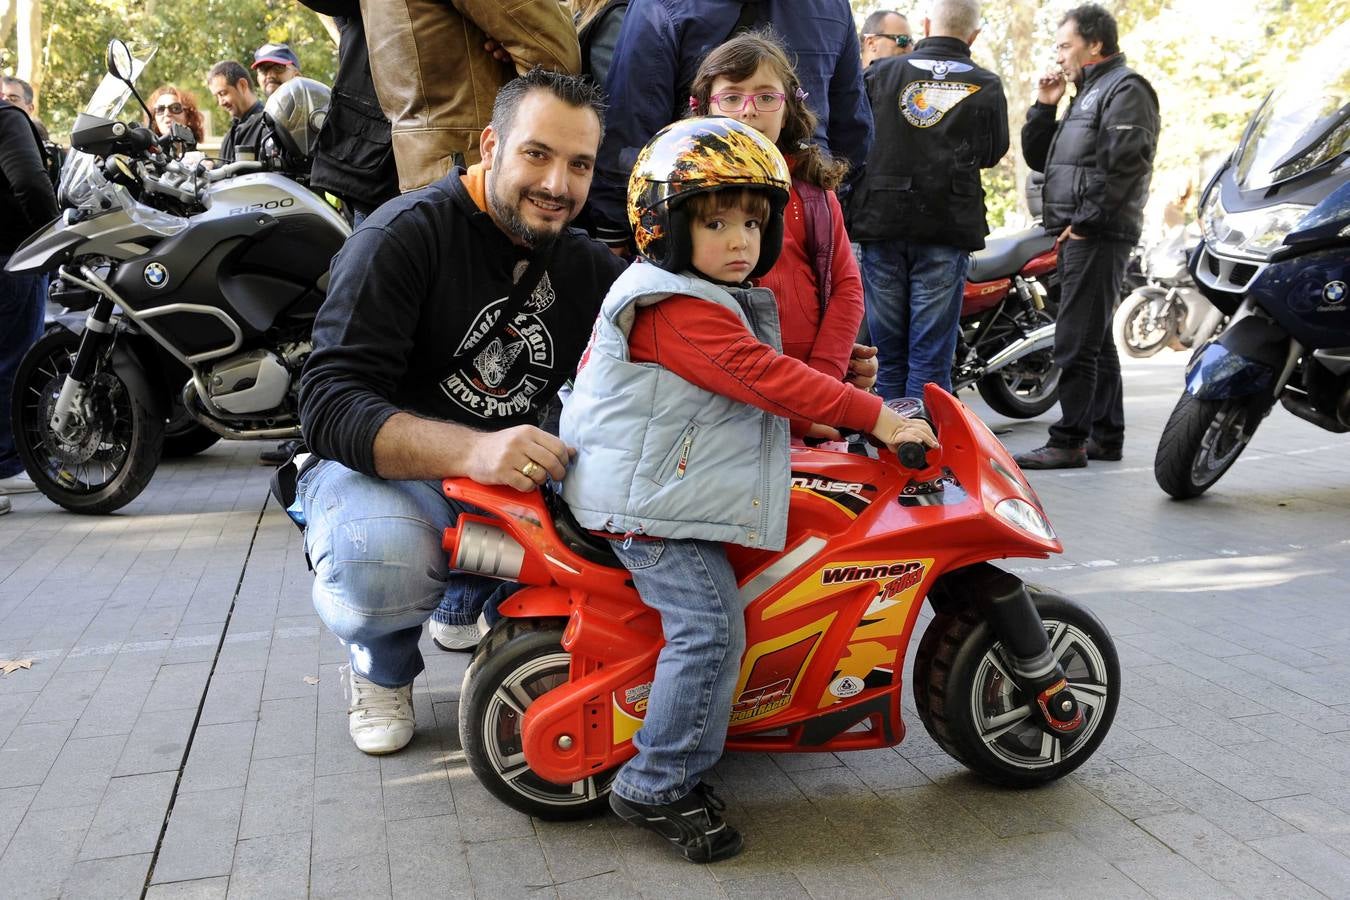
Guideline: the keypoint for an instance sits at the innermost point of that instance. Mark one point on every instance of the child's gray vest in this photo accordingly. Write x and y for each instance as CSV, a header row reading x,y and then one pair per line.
x,y
657,455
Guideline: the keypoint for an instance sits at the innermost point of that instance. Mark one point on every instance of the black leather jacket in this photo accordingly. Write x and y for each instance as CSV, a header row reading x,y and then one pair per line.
x,y
940,119
26,199
1098,159
354,158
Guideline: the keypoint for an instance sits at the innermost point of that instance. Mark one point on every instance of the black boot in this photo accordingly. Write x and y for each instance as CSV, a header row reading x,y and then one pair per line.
x,y
1048,457
280,453
1102,452
692,823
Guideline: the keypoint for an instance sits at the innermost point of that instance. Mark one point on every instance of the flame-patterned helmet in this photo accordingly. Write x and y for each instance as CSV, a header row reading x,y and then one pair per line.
x,y
698,156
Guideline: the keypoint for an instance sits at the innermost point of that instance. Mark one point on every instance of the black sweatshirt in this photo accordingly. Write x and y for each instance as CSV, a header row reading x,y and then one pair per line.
x,y
415,285
27,201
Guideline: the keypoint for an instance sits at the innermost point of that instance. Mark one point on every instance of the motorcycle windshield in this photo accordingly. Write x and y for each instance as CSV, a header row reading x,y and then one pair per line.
x,y
107,101
1305,121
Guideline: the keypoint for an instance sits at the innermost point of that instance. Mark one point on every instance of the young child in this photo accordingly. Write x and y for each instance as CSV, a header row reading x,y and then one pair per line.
x,y
680,421
816,280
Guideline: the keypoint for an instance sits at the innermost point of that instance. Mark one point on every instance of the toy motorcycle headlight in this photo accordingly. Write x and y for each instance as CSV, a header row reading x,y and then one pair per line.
x,y
1021,514
1255,234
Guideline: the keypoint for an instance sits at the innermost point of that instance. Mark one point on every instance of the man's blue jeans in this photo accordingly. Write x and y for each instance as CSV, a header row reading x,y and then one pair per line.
x,y
22,301
379,569
692,586
913,294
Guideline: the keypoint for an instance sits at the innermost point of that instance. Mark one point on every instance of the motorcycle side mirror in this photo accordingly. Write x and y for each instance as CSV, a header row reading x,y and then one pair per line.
x,y
118,60
122,66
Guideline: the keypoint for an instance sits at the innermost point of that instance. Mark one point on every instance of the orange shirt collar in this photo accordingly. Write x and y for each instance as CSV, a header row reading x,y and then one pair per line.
x,y
475,182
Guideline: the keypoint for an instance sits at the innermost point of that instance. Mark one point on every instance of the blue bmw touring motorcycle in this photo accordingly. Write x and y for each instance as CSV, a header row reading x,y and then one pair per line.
x,y
1276,257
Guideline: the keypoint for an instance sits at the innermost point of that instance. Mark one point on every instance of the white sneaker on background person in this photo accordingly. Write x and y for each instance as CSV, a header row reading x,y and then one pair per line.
x,y
17,484
5,505
379,719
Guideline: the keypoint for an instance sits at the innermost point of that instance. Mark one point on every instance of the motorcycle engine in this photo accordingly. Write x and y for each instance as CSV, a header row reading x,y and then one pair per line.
x,y
254,382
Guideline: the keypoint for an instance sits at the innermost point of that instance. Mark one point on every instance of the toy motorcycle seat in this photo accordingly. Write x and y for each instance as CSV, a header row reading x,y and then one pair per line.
x,y
1005,256
589,545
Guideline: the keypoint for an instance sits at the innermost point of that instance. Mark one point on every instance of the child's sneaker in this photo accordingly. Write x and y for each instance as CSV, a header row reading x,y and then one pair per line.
x,y
693,823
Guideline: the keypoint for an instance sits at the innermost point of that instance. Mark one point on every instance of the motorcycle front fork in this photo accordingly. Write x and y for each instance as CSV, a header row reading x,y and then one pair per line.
x,y
1007,606
68,414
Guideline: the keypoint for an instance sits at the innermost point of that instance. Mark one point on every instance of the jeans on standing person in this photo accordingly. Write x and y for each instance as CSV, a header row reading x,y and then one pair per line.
x,y
1090,389
379,567
693,588
22,304
913,293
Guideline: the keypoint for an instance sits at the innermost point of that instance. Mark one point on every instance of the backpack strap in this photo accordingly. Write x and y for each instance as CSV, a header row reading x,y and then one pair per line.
x,y
819,219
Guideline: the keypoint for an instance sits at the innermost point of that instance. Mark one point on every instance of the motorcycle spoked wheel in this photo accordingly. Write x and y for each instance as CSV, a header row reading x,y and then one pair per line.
x,y
1025,389
1202,440
1144,324
515,664
118,447
974,710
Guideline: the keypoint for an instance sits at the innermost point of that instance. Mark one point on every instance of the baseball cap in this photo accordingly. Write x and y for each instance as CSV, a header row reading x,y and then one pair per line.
x,y
275,53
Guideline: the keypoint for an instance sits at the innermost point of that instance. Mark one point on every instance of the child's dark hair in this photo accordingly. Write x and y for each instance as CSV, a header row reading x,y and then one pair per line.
x,y
707,205
737,59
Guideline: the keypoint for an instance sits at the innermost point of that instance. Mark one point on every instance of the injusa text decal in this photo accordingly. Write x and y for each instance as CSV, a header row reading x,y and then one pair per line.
x,y
851,496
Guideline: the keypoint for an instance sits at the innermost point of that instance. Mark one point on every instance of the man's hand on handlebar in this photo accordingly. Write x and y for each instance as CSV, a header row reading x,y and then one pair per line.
x,y
522,457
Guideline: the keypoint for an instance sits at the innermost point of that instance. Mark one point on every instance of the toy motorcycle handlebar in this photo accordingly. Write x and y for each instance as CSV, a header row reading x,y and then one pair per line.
x,y
913,455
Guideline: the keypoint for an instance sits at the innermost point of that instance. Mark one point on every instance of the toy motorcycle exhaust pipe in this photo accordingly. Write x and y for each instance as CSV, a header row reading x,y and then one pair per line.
x,y
1041,338
477,544
1007,605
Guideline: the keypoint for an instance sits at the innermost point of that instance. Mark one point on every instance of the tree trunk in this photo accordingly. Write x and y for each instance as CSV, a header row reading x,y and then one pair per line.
x,y
30,47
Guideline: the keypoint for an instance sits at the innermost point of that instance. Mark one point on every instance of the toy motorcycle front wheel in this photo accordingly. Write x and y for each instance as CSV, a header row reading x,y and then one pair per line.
x,y
515,665
975,711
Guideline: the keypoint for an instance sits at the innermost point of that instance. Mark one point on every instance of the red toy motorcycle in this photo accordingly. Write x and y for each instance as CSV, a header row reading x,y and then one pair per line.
x,y
1017,683
1006,347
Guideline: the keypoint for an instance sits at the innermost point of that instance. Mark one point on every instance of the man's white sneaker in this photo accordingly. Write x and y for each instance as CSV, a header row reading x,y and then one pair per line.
x,y
454,637
17,484
5,505
380,719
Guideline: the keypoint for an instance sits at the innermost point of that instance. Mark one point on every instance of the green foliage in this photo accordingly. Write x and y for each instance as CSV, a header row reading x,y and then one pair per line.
x,y
192,35
1210,63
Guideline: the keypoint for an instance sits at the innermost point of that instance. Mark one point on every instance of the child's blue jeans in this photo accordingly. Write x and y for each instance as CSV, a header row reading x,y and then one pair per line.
x,y
692,586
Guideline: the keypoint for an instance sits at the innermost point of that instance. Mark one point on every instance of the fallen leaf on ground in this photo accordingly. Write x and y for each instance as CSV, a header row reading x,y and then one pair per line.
x,y
9,665
311,679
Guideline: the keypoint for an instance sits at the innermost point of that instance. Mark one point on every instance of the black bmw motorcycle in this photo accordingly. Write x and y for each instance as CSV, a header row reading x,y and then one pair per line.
x,y
215,274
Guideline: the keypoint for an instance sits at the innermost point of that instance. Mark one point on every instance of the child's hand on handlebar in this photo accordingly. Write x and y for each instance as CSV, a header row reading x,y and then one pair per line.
x,y
893,429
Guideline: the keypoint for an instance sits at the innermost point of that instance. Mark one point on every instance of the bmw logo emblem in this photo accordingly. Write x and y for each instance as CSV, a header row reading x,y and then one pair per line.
x,y
1334,292
156,275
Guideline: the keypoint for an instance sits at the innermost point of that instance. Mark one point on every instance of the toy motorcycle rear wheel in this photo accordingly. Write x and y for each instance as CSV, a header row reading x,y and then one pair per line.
x,y
516,664
976,712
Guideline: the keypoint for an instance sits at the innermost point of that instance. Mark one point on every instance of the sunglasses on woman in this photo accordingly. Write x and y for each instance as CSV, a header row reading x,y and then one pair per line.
x,y
174,108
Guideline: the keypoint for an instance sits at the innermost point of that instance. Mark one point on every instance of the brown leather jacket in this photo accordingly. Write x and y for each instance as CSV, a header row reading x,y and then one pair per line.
x,y
435,81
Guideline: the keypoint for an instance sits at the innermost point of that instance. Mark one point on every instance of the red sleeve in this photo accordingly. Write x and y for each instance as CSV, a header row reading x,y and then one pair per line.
x,y
708,346
839,326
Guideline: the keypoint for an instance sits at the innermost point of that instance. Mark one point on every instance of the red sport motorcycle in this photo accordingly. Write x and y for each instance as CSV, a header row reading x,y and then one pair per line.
x,y
1016,682
1006,346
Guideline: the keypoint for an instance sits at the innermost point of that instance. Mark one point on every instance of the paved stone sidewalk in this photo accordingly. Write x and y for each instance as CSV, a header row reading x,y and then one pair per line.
x,y
168,742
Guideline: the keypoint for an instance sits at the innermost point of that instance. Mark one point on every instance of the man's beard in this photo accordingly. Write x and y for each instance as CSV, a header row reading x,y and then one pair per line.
x,y
514,223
